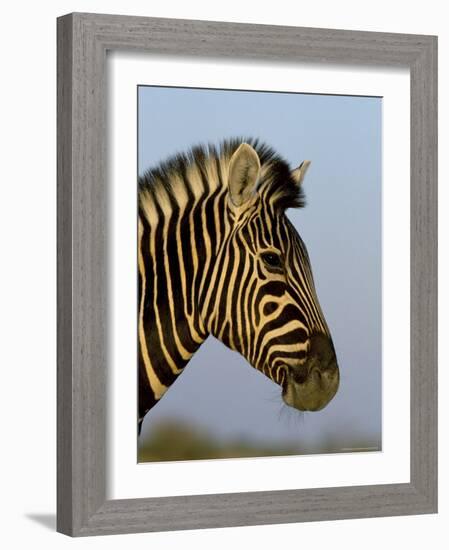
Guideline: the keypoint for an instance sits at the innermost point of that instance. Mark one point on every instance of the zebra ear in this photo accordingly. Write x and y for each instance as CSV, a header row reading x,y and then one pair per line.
x,y
299,173
244,170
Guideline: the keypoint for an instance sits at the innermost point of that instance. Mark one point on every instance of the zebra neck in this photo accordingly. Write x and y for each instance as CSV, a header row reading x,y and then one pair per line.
x,y
177,250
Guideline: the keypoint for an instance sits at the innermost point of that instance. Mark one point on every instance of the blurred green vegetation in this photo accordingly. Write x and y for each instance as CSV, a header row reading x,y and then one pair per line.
x,y
177,440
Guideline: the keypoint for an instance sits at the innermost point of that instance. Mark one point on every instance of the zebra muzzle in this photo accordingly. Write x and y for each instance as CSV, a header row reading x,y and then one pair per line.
x,y
311,386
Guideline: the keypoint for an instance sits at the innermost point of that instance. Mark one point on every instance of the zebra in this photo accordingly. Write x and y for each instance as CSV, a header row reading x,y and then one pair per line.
x,y
218,255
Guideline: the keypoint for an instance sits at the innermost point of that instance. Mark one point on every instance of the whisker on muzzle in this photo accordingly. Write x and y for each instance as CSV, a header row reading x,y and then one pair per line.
x,y
291,417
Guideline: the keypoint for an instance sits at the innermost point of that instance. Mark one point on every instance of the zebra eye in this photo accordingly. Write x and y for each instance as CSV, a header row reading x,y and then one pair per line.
x,y
271,259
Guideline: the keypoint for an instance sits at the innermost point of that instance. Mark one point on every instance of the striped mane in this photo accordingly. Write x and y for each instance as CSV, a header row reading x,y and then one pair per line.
x,y
203,168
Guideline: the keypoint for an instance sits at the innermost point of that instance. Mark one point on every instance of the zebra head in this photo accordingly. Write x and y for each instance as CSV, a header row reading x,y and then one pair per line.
x,y
266,305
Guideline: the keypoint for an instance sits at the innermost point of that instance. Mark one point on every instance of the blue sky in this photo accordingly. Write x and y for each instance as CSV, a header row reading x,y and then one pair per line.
x,y
341,226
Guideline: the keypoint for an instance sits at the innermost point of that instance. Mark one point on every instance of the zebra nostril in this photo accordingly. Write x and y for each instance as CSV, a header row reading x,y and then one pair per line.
x,y
300,374
315,370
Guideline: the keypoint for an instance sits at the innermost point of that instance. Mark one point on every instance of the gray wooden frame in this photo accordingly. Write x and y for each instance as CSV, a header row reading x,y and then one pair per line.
x,y
83,40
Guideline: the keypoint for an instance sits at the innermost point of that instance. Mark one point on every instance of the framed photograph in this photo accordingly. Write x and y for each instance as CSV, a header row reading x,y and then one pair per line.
x,y
247,274
250,285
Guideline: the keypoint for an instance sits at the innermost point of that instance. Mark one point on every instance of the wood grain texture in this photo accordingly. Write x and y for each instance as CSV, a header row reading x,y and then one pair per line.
x,y
423,275
83,40
64,276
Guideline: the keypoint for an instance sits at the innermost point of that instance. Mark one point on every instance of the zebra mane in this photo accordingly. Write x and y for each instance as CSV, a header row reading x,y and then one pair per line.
x,y
277,171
